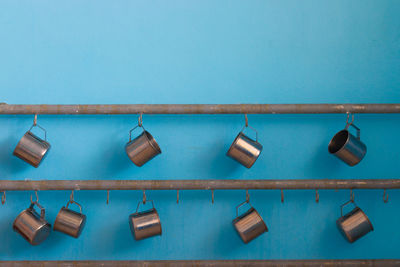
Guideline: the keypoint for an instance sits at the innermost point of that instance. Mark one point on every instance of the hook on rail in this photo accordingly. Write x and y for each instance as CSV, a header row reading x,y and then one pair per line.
x,y
351,196
246,120
37,197
140,120
385,196
108,196
177,196
144,196
282,196
247,196
212,196
3,198
71,197
316,196
35,120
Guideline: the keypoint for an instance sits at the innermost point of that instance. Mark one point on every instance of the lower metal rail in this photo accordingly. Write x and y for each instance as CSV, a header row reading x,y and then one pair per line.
x,y
205,263
23,185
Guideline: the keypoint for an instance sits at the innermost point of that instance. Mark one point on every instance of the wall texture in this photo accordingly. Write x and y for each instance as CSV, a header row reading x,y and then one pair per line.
x,y
202,52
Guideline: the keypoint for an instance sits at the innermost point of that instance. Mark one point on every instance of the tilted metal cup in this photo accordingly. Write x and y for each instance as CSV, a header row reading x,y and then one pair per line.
x,y
355,224
32,226
70,222
145,224
347,147
143,148
244,149
249,225
31,148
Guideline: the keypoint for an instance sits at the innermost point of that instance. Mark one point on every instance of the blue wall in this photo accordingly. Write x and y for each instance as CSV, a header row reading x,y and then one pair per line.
x,y
202,52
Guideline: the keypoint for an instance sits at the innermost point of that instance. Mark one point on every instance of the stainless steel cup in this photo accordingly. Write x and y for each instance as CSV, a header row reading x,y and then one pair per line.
x,y
145,224
32,226
348,147
70,222
143,148
31,148
249,225
244,149
354,224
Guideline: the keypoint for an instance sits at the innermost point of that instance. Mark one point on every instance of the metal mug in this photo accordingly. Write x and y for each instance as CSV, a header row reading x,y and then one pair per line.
x,y
145,224
31,148
143,148
32,226
249,225
244,149
347,147
70,222
354,224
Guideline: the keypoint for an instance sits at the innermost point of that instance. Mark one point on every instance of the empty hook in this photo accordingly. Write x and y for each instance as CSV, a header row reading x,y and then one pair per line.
x,y
177,196
37,197
212,196
3,198
282,196
108,196
385,196
316,196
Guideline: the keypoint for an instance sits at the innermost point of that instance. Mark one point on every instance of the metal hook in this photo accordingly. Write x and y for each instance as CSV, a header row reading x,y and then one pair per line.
x,y
3,198
247,196
351,195
385,196
140,119
348,117
212,196
177,196
35,120
37,197
282,196
246,120
144,196
316,196
71,197
108,196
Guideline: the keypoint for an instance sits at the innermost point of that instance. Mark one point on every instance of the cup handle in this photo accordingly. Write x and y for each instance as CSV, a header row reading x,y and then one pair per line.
x,y
76,203
131,130
345,204
241,204
355,127
42,211
43,129
137,209
244,127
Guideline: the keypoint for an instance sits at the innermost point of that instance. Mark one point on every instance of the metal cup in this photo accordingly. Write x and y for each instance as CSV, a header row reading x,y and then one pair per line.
x,y
249,225
70,222
143,148
348,147
32,226
244,149
354,224
31,148
145,224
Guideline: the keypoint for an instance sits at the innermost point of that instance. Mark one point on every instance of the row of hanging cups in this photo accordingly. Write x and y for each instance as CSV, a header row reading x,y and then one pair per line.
x,y
352,225
34,227
245,150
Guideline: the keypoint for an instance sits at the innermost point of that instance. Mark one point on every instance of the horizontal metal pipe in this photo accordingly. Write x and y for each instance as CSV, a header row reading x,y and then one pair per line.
x,y
200,109
205,263
20,185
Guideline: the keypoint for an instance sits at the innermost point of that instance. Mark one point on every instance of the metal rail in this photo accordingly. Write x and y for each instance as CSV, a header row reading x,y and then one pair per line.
x,y
205,263
23,185
200,109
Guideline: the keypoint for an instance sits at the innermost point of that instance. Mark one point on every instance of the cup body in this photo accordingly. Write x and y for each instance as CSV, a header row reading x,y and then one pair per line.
x,y
354,225
69,222
249,225
347,147
142,149
31,149
145,224
31,226
244,150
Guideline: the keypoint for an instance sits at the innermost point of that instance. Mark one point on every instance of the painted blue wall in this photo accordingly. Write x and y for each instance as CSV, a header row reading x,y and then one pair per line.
x,y
202,52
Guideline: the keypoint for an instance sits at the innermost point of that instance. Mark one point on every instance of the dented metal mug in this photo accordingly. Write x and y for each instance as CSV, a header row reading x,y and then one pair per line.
x,y
143,148
355,224
69,221
347,147
31,148
249,225
244,149
145,224
32,226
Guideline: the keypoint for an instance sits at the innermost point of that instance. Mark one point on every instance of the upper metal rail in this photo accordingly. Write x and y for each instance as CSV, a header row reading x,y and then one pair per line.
x,y
26,185
200,109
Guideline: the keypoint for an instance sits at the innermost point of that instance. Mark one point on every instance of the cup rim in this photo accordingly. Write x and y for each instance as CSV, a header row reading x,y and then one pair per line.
x,y
335,137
